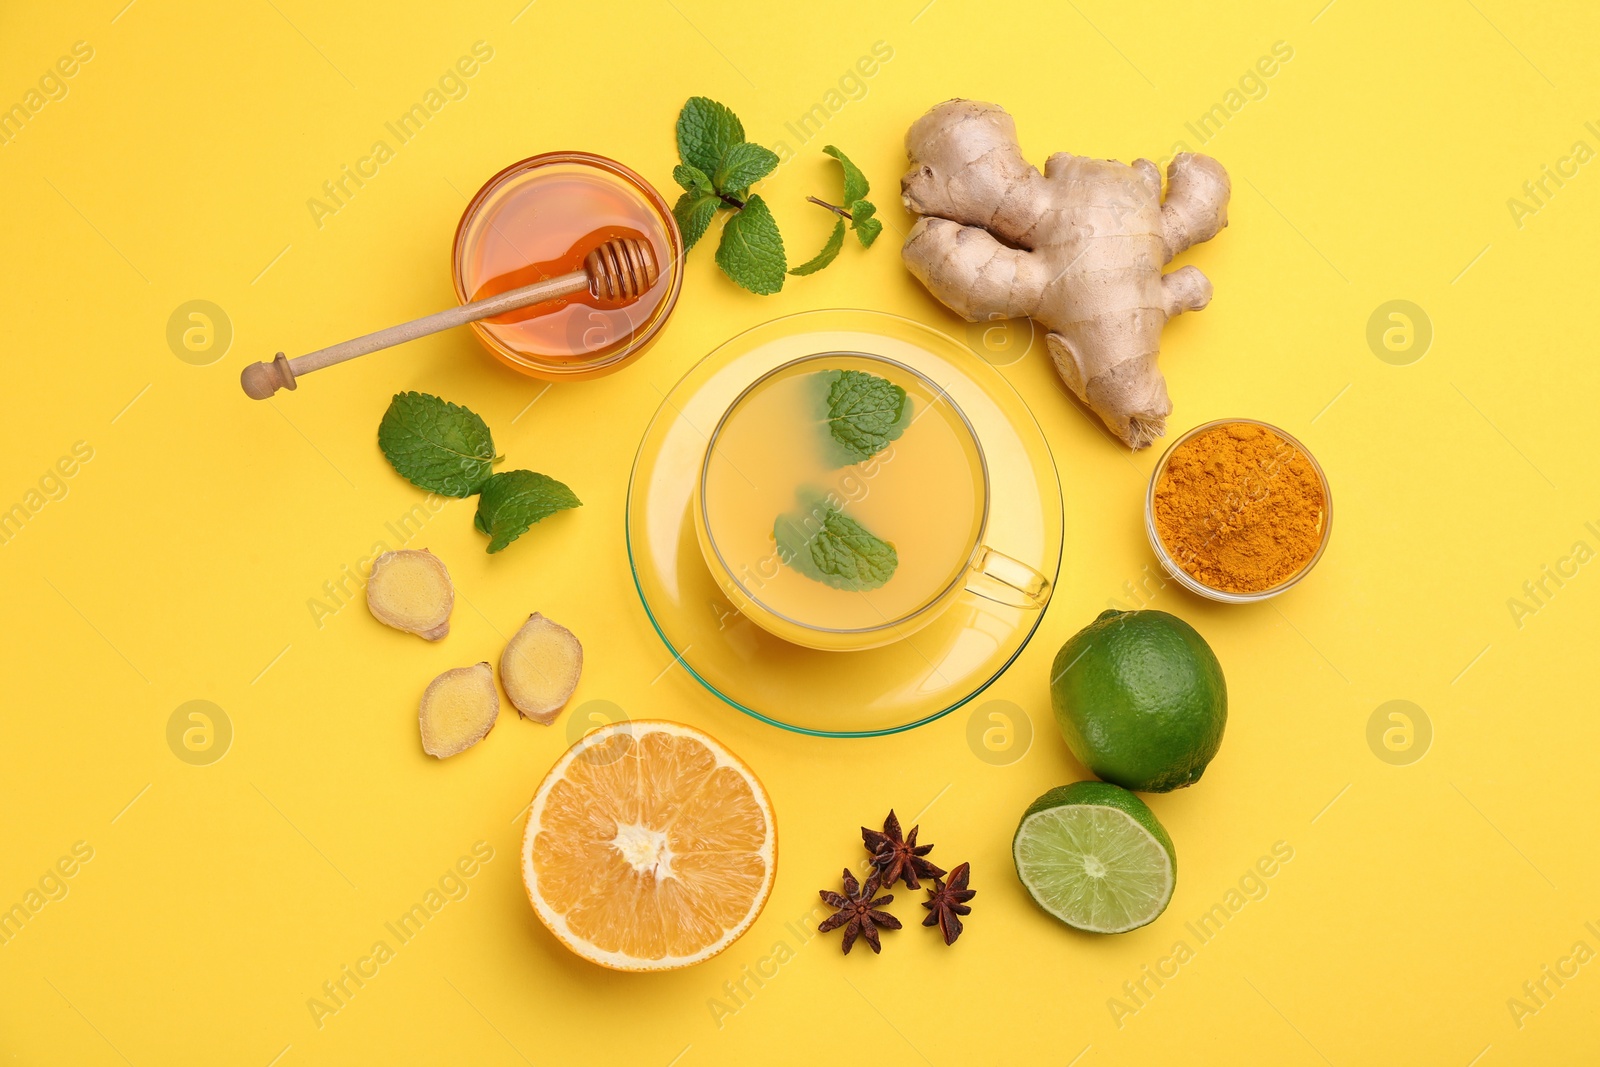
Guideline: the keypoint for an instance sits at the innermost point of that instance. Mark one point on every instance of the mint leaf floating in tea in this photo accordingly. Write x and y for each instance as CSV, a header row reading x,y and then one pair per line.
x,y
828,546
847,551
512,501
865,413
436,445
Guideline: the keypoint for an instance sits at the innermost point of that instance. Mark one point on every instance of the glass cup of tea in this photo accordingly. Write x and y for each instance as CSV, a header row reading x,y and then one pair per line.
x,y
842,504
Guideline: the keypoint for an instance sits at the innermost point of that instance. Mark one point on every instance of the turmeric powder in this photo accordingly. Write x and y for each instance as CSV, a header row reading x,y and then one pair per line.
x,y
1240,508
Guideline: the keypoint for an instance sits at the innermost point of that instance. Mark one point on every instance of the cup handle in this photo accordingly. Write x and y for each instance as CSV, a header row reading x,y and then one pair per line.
x,y
996,576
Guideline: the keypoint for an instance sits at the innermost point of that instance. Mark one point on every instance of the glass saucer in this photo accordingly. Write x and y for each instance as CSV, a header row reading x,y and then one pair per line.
x,y
838,694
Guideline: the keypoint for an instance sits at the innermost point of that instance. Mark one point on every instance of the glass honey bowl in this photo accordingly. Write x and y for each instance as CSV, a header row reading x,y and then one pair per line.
x,y
539,218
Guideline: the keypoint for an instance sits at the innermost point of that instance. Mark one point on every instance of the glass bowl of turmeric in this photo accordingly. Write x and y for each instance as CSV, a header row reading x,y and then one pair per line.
x,y
1238,511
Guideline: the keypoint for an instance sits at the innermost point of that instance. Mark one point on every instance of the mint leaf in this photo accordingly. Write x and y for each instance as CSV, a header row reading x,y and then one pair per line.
x,y
742,166
751,252
828,546
867,228
706,130
865,412
693,179
512,501
694,212
436,445
855,183
828,253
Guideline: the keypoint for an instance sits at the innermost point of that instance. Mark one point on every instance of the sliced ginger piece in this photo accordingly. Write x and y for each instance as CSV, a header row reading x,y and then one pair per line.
x,y
458,710
540,668
411,591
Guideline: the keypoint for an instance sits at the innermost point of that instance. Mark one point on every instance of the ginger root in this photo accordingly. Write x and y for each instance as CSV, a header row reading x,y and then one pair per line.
x,y
1078,249
458,710
411,591
540,668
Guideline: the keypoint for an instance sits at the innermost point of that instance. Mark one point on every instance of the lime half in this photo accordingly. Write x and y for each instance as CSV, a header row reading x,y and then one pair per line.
x,y
1094,856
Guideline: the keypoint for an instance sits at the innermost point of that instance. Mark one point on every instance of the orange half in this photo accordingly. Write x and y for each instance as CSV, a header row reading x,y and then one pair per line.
x,y
649,847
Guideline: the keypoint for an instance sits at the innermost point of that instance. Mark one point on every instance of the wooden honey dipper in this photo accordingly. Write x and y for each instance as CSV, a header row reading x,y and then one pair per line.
x,y
619,270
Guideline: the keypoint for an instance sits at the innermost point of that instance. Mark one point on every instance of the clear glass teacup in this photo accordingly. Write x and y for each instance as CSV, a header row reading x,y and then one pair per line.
x,y
842,504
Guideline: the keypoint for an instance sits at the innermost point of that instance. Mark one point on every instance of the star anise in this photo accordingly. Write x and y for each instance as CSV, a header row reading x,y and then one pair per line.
x,y
894,858
947,901
858,913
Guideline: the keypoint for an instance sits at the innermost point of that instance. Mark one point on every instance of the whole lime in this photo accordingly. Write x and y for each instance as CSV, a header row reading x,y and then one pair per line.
x,y
1140,699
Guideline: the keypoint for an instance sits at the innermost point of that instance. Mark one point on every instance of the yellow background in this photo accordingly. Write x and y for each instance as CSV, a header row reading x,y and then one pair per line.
x,y
1377,166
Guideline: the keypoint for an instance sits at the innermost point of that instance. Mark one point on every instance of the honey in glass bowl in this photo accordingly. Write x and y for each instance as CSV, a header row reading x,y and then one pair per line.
x,y
538,219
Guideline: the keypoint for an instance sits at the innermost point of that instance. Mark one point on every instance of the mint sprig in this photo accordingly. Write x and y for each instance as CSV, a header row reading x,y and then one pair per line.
x,y
857,210
512,501
447,449
828,546
717,170
865,412
436,445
